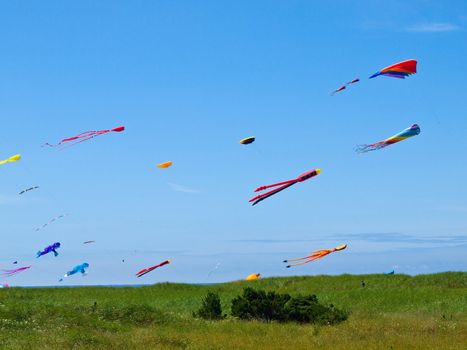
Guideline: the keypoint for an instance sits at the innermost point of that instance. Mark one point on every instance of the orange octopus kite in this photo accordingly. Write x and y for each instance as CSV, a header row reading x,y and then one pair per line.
x,y
315,255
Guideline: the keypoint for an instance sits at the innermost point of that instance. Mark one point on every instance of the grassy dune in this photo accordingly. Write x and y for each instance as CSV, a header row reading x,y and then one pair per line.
x,y
391,312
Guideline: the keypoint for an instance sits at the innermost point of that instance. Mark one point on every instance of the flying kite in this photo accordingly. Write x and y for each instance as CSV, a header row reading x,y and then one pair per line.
x,y
399,70
390,272
87,242
404,134
50,222
12,272
87,135
12,159
315,255
248,140
51,248
78,268
343,87
214,269
253,276
282,186
28,189
165,165
4,285
149,269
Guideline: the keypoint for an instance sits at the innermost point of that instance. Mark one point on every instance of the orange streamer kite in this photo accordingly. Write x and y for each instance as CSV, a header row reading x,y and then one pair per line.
x,y
315,255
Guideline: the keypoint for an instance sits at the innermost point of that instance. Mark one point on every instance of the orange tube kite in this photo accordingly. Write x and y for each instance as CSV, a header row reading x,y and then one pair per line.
x,y
165,165
314,256
253,276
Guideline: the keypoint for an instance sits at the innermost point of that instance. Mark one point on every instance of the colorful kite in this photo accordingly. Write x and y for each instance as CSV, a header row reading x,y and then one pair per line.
x,y
50,222
315,255
12,272
12,159
4,285
87,135
149,269
78,268
248,140
165,165
343,87
28,189
282,186
51,248
253,276
399,70
404,134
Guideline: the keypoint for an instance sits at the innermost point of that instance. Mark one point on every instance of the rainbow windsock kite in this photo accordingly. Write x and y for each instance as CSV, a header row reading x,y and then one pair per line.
x,y
399,70
414,130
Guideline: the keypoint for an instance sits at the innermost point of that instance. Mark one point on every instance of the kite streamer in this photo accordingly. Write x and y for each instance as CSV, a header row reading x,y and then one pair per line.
x,y
28,189
282,186
50,222
149,269
87,135
399,70
12,272
314,256
343,87
414,130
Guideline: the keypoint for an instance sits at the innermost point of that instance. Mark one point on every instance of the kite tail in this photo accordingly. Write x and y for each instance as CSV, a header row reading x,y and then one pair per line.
x,y
38,254
302,263
369,148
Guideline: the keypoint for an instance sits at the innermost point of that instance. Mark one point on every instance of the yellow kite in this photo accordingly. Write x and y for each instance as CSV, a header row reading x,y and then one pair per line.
x,y
14,158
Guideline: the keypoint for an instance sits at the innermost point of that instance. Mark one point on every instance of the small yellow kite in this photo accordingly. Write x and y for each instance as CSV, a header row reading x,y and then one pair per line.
x,y
14,158
253,276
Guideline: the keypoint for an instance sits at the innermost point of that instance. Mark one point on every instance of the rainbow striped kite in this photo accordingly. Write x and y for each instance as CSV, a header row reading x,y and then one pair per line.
x,y
414,130
399,70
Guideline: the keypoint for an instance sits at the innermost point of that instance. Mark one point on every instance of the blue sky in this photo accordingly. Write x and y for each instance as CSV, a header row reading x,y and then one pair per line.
x,y
189,79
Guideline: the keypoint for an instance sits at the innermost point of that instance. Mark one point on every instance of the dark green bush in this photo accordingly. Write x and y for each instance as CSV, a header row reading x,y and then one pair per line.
x,y
307,309
257,304
211,308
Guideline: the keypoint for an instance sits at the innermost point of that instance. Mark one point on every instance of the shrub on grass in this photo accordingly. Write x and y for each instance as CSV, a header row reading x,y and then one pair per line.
x,y
257,304
211,308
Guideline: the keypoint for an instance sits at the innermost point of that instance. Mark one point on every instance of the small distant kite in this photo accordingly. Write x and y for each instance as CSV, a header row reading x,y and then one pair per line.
x,y
149,269
87,242
414,130
399,70
87,135
314,256
282,186
390,272
165,165
253,276
51,248
50,222
214,269
15,262
28,189
343,87
12,159
4,285
78,268
248,140
12,272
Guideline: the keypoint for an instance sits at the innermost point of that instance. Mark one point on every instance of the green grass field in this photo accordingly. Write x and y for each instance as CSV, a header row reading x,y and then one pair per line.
x,y
391,312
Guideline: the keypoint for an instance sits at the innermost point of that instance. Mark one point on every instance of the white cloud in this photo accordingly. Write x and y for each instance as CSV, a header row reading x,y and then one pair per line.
x,y
180,188
432,28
